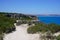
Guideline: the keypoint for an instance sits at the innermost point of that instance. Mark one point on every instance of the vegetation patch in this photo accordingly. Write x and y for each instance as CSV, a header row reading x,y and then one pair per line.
x,y
58,37
6,23
42,27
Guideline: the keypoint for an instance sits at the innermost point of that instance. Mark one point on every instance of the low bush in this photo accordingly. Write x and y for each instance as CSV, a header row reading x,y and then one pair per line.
x,y
41,27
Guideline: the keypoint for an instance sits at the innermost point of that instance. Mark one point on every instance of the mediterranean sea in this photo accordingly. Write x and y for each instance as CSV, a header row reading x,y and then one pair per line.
x,y
49,19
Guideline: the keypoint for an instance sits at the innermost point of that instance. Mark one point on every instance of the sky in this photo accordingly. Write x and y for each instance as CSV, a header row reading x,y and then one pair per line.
x,y
30,6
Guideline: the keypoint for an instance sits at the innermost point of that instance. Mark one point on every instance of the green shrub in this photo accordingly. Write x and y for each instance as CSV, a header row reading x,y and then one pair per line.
x,y
5,23
41,27
58,38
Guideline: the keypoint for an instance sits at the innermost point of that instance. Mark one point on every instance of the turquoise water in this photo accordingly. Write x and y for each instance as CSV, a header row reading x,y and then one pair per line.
x,y
48,20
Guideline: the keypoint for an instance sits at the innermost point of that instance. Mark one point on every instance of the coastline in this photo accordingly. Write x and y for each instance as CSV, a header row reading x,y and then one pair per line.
x,y
48,20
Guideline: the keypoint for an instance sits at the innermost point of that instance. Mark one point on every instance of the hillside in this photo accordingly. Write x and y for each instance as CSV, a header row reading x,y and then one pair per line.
x,y
7,21
18,15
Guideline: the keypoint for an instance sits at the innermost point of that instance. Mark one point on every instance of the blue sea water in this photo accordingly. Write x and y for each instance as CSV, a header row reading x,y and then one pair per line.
x,y
48,19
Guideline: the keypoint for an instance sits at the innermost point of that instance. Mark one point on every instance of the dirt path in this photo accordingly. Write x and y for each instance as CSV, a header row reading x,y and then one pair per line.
x,y
21,34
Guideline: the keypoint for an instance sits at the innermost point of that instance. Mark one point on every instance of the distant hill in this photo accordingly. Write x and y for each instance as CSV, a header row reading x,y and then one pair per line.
x,y
48,15
19,15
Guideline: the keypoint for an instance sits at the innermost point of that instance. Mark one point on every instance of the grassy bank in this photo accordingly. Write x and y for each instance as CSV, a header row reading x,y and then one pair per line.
x,y
46,29
6,23
42,27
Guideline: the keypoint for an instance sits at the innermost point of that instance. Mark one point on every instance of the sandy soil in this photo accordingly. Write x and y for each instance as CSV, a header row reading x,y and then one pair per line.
x,y
21,34
57,34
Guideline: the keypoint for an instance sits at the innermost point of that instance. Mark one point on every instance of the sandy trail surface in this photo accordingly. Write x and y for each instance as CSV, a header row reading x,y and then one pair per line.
x,y
21,34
